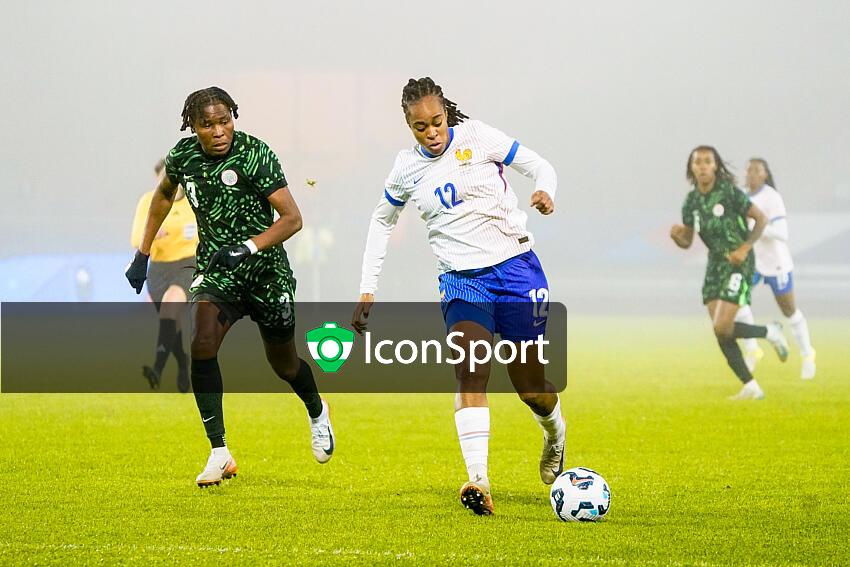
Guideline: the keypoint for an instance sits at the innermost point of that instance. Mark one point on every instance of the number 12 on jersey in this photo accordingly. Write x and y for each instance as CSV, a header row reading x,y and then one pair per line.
x,y
448,188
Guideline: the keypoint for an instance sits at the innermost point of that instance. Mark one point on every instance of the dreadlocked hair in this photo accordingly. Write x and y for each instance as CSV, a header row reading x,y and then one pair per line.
x,y
769,179
417,89
199,100
723,173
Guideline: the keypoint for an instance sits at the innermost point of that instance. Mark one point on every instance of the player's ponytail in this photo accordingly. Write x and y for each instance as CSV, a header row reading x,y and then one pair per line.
x,y
769,179
417,89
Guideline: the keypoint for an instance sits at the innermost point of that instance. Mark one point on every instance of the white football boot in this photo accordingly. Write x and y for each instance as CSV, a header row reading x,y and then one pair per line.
x,y
552,459
220,465
776,337
808,370
322,435
475,496
750,391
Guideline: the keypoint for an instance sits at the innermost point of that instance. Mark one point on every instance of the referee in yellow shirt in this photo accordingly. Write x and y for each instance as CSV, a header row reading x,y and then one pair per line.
x,y
169,277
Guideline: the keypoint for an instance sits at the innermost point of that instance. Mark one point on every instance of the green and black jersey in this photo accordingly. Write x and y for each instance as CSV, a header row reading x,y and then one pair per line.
x,y
720,218
229,195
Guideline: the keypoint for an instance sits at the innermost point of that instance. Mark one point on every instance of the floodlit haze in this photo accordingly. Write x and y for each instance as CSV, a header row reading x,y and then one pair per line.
x,y
614,94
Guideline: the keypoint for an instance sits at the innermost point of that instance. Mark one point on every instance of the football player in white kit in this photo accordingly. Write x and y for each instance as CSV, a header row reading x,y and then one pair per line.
x,y
774,266
454,177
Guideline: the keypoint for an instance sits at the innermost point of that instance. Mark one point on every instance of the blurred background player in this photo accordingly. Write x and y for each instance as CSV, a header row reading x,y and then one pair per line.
x,y
774,266
718,211
234,182
172,263
478,234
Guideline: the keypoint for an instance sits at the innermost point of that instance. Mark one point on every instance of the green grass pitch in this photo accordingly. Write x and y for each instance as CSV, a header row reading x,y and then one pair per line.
x,y
695,478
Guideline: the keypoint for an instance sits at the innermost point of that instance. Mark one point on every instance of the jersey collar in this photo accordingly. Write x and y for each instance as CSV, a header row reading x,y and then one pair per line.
x,y
427,154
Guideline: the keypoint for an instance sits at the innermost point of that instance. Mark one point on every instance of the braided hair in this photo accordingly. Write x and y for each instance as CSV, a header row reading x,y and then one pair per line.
x,y
769,179
196,102
417,89
723,173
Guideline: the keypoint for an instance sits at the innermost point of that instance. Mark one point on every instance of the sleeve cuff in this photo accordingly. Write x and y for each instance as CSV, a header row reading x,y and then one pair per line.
x,y
279,184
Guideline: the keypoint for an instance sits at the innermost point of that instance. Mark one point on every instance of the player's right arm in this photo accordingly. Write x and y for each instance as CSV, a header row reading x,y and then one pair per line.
x,y
139,221
683,234
161,202
383,221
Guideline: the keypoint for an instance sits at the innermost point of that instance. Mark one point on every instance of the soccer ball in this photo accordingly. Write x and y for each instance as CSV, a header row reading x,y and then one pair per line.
x,y
580,495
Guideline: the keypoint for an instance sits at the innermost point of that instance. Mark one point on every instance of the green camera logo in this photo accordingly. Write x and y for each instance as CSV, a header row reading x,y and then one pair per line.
x,y
330,345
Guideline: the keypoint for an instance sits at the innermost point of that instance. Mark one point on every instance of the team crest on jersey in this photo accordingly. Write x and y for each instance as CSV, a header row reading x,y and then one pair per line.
x,y
718,210
229,177
463,156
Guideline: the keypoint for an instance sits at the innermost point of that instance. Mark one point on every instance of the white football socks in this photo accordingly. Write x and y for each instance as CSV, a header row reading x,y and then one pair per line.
x,y
745,315
800,329
554,426
473,432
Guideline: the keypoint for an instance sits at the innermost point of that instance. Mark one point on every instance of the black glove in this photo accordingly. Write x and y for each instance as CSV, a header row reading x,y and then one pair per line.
x,y
137,271
229,257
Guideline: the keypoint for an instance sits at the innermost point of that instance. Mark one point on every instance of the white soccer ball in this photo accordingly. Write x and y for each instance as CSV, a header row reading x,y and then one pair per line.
x,y
580,495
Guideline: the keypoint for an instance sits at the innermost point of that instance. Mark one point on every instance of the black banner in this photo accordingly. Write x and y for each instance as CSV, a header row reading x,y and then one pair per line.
x,y
101,347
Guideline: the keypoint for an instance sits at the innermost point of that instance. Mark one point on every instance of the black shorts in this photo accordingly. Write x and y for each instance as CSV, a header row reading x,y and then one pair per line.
x,y
162,275
267,297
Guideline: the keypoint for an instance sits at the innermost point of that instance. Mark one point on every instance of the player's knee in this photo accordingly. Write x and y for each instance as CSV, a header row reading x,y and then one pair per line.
x,y
724,332
285,369
472,380
532,399
287,372
204,347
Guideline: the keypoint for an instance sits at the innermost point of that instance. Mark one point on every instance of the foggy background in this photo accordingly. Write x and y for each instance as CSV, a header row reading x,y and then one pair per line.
x,y
614,94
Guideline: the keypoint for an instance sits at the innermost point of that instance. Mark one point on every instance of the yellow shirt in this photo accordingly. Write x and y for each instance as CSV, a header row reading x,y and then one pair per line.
x,y
178,236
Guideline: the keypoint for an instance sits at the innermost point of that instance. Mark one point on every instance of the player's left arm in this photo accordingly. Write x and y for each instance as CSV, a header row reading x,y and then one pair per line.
x,y
504,149
269,180
281,230
532,165
288,224
777,224
739,255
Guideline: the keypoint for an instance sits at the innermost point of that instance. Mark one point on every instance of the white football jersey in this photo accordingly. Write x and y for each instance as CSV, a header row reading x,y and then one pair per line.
x,y
469,208
773,257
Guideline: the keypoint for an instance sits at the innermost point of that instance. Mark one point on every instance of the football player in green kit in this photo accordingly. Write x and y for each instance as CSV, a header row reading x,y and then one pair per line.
x,y
234,183
718,211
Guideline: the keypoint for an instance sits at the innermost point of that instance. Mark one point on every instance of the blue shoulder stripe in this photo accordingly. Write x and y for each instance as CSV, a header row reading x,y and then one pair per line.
x,y
393,201
511,154
777,218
